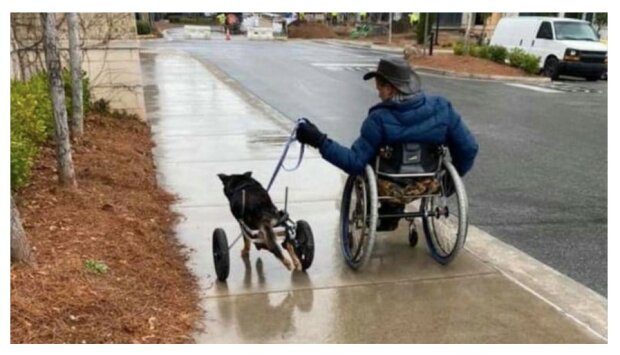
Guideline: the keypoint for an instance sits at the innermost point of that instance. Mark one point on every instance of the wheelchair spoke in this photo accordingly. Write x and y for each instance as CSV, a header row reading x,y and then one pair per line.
x,y
360,226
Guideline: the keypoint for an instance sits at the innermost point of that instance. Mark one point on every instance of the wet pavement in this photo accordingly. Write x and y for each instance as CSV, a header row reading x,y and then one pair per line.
x,y
202,125
539,181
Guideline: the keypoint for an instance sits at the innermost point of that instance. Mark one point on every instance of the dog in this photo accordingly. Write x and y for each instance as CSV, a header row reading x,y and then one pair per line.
x,y
255,208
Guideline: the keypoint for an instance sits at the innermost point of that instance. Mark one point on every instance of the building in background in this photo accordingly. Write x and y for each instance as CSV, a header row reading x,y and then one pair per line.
x,y
110,55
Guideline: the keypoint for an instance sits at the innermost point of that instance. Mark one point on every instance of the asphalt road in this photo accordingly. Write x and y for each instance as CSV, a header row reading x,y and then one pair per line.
x,y
540,180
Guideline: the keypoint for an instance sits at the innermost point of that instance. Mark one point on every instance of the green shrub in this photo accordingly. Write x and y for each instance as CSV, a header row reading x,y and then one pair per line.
x,y
483,52
31,109
458,48
515,57
480,51
473,50
31,124
101,106
520,59
32,121
23,153
498,54
144,28
531,64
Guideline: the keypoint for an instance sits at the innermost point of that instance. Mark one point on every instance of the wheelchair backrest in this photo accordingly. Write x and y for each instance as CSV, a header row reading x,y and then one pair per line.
x,y
409,158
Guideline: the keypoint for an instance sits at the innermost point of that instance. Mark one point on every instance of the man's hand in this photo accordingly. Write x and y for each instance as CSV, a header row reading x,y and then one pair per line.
x,y
308,133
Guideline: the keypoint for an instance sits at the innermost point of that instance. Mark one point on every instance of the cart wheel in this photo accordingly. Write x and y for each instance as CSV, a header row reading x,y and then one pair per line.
x,y
413,236
220,254
305,244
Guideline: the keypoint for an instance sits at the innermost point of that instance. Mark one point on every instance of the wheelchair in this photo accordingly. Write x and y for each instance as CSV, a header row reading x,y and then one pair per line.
x,y
421,176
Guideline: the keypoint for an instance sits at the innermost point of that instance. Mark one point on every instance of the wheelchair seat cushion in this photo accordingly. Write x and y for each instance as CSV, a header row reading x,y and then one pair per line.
x,y
406,193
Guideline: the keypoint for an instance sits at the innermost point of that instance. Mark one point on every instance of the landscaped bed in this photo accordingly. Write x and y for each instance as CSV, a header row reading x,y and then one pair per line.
x,y
466,64
108,269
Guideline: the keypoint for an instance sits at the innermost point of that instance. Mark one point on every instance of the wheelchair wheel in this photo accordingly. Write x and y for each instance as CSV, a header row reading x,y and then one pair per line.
x,y
220,254
305,244
446,232
358,218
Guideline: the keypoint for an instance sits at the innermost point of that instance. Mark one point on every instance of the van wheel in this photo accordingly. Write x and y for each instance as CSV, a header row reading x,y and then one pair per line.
x,y
552,68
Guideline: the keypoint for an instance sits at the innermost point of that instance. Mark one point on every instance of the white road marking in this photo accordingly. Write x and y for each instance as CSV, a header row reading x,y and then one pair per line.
x,y
534,88
365,65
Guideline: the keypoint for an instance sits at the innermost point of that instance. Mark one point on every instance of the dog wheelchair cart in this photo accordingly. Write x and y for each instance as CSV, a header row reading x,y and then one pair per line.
x,y
298,233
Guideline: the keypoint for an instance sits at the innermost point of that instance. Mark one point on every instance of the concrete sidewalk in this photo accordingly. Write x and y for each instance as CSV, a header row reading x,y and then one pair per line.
x,y
204,123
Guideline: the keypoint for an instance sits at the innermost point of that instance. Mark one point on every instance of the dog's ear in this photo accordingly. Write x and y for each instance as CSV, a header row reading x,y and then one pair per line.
x,y
247,174
223,177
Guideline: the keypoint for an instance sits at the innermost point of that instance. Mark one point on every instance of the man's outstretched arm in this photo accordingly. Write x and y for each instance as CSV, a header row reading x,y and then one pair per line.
x,y
354,160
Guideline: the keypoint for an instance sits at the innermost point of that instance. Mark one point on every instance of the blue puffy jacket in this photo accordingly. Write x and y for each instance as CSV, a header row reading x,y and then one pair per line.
x,y
423,119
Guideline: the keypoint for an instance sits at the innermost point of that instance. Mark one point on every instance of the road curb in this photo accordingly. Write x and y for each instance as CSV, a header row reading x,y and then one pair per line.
x,y
436,71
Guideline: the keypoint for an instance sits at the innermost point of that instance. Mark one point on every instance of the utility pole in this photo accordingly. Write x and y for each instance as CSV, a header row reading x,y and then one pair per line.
x,y
390,26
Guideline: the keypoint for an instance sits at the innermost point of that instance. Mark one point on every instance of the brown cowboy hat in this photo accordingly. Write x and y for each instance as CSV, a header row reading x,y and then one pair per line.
x,y
397,72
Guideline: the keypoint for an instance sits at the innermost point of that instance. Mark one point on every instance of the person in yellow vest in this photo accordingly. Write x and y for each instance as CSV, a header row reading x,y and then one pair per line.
x,y
221,18
334,18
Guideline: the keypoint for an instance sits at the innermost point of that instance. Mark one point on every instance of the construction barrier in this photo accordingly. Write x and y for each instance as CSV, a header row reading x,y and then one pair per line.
x,y
197,32
260,33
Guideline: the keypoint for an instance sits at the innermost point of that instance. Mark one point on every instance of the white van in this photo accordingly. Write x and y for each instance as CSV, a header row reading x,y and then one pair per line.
x,y
564,46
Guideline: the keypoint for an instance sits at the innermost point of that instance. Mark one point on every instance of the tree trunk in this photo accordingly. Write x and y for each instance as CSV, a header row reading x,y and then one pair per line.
x,y
66,174
470,15
75,54
20,248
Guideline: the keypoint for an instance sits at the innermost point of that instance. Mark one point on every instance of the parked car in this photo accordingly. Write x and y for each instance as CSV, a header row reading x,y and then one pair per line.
x,y
564,46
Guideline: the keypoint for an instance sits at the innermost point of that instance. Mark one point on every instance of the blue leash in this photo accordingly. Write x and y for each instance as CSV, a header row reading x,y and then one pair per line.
x,y
280,164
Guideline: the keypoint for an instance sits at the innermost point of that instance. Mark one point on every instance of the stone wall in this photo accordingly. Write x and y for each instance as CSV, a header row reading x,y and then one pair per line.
x,y
110,55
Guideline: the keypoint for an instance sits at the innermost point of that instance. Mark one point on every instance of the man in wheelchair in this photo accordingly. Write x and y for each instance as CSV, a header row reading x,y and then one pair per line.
x,y
406,122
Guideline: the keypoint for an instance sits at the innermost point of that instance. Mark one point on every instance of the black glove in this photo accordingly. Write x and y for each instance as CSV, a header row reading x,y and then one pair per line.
x,y
308,133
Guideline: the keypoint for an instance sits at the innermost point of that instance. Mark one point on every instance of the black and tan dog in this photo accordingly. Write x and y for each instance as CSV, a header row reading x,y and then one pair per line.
x,y
250,203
